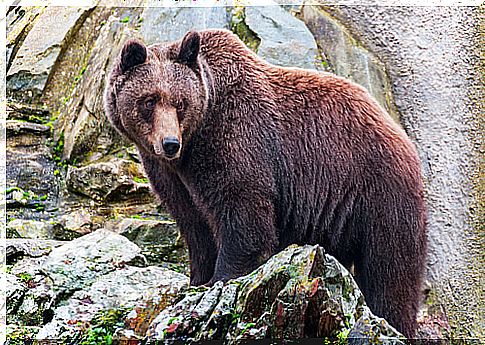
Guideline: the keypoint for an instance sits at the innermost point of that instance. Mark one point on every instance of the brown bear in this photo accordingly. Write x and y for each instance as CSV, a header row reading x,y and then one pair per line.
x,y
249,158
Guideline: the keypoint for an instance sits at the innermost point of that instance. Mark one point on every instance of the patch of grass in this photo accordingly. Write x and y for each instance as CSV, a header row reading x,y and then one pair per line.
x,y
125,19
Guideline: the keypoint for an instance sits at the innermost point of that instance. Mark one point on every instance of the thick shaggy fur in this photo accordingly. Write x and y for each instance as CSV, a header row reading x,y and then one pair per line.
x,y
272,156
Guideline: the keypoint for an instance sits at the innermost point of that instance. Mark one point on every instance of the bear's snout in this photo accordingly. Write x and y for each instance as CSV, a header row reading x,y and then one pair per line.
x,y
171,146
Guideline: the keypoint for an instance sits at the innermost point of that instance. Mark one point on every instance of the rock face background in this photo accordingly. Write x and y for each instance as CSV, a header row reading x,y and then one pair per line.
x,y
69,174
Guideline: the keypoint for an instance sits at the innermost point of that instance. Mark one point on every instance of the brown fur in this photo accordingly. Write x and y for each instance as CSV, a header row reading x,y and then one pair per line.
x,y
272,156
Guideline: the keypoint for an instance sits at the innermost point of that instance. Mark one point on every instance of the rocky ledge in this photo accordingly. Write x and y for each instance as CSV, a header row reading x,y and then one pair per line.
x,y
99,287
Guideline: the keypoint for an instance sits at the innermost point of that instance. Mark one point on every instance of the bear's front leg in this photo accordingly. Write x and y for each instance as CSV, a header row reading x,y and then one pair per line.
x,y
197,235
193,226
247,235
201,245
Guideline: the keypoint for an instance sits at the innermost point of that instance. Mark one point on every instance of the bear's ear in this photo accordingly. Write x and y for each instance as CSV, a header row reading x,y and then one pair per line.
x,y
189,49
134,53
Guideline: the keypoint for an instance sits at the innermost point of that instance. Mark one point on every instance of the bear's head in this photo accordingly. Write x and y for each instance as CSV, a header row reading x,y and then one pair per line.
x,y
157,95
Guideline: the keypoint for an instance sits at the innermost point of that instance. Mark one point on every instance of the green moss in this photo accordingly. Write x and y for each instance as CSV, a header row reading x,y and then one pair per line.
x,y
240,28
27,196
57,152
247,327
10,190
25,277
103,325
342,337
140,180
21,335
81,72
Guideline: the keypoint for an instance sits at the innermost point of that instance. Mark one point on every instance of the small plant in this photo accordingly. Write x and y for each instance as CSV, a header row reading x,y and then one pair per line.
x,y
125,19
57,152
65,100
342,337
247,327
138,24
59,148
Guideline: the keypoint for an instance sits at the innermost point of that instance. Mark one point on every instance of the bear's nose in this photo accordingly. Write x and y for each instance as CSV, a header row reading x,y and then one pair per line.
x,y
171,145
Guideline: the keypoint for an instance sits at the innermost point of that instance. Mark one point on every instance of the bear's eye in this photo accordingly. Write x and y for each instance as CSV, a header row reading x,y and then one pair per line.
x,y
150,103
180,105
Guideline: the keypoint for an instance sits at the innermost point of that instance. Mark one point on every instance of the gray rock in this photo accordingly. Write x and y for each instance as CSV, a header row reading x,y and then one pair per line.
x,y
29,229
14,293
115,179
299,293
164,24
31,170
16,128
33,248
159,240
19,22
75,223
38,300
129,288
33,63
64,228
348,58
87,132
82,261
285,40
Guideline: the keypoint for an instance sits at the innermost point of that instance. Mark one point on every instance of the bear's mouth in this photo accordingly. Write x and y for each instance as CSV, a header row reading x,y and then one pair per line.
x,y
171,157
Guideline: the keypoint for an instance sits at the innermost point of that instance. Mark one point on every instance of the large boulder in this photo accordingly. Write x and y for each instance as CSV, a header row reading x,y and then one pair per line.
x,y
299,293
348,58
62,284
33,61
127,288
283,39
111,180
165,24
82,261
159,240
